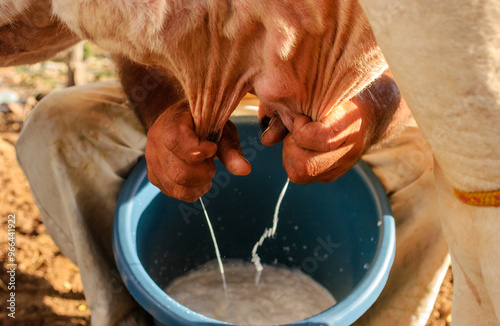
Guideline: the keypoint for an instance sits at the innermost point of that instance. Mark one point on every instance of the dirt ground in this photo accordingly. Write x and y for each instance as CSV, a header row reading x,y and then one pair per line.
x,y
48,290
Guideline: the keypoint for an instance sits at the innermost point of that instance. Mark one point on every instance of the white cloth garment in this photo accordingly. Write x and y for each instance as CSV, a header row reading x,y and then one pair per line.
x,y
79,144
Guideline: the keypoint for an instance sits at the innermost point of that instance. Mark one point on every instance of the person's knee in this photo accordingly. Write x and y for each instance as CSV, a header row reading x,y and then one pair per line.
x,y
41,124
69,116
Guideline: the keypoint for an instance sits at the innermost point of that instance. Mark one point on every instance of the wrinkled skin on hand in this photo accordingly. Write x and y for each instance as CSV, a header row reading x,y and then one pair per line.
x,y
321,151
181,164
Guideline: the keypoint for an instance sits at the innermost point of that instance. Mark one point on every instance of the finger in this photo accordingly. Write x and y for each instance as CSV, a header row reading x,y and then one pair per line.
x,y
230,152
186,145
152,165
315,135
167,166
180,173
190,194
306,166
181,192
152,178
275,132
178,136
331,132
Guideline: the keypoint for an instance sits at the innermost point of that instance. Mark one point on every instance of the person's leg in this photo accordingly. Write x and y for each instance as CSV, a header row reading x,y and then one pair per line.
x,y
405,167
76,148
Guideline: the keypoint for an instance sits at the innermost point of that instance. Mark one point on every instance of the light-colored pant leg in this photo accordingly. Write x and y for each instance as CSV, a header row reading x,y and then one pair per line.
x,y
405,167
76,149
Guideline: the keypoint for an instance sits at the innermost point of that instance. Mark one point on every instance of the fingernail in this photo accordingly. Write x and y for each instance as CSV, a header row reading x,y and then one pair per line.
x,y
264,123
243,157
272,120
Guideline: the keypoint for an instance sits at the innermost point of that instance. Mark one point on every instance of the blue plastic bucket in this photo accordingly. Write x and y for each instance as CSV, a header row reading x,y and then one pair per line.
x,y
342,234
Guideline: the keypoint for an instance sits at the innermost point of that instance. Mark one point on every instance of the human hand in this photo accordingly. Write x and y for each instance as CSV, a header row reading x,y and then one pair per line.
x,y
319,151
181,164
323,151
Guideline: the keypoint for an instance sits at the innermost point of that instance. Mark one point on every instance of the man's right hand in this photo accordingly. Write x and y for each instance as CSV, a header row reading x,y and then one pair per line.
x,y
181,164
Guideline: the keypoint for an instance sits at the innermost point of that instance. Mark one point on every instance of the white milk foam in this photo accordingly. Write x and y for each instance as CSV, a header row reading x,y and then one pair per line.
x,y
282,295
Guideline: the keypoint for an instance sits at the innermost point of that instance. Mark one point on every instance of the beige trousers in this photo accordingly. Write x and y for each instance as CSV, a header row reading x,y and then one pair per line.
x,y
79,144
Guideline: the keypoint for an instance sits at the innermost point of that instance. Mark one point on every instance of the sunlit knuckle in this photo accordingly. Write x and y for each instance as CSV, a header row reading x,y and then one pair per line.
x,y
313,167
330,144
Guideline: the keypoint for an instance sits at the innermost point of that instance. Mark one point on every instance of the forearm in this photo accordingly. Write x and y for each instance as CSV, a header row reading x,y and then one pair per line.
x,y
150,89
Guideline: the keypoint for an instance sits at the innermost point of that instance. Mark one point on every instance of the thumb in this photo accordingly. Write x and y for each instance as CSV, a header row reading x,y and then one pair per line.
x,y
329,133
230,153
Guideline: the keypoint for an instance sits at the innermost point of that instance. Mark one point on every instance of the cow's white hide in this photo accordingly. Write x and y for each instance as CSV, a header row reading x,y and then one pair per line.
x,y
445,57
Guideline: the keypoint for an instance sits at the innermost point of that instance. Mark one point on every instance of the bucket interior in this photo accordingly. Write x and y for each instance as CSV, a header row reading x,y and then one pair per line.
x,y
329,231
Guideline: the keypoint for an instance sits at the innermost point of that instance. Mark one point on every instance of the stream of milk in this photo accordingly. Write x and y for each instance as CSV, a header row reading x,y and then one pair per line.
x,y
268,233
217,253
